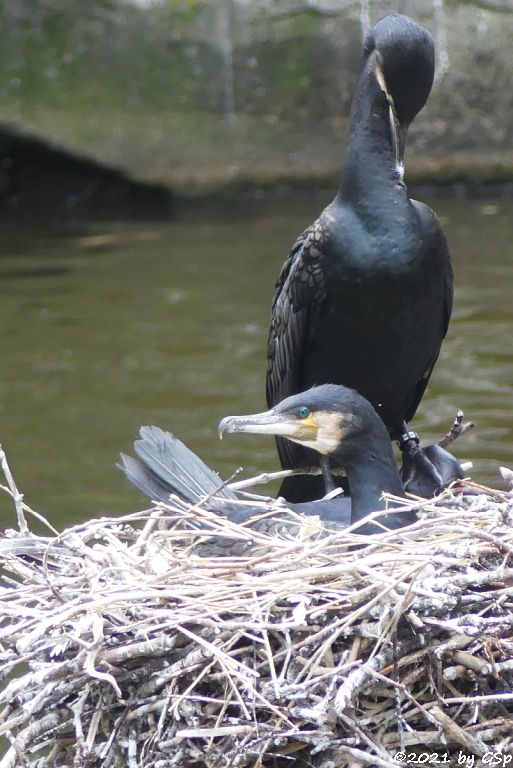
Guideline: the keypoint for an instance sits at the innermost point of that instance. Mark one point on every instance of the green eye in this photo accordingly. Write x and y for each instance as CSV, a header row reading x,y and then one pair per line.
x,y
303,412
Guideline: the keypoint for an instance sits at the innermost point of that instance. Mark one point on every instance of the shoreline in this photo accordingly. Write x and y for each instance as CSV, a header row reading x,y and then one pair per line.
x,y
38,177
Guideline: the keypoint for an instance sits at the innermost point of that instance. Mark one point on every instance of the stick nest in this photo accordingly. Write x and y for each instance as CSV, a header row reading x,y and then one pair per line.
x,y
126,644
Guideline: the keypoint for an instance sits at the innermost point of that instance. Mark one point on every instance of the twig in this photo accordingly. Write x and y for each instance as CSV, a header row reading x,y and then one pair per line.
x,y
362,757
358,679
455,733
457,430
38,516
479,699
269,477
16,495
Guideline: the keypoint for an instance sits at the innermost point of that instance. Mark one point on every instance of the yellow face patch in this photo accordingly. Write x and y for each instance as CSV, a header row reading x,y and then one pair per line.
x,y
309,421
306,429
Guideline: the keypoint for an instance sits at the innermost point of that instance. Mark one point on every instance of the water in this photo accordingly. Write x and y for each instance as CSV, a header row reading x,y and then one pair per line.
x,y
107,327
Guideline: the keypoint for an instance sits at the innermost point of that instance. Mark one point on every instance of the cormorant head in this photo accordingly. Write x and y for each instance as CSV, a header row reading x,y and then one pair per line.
x,y
404,59
330,419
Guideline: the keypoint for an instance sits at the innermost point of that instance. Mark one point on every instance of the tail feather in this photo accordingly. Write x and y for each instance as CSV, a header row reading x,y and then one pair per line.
x,y
168,466
143,479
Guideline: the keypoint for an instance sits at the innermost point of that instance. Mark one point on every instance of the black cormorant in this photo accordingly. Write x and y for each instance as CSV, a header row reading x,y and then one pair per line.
x,y
365,297
332,420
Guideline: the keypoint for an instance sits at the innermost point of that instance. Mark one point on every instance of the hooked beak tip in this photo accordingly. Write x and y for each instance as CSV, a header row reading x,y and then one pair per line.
x,y
222,427
231,424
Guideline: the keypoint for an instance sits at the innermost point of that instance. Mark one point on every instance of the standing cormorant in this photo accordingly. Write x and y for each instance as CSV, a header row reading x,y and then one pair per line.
x,y
365,297
332,420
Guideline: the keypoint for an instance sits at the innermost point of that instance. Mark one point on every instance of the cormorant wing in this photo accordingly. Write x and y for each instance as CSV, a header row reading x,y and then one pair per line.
x,y
434,241
298,298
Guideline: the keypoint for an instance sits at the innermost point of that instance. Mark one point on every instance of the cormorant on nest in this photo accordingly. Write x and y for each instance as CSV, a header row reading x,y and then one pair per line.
x,y
331,420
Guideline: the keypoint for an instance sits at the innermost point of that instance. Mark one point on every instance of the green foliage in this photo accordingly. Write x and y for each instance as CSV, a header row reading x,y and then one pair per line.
x,y
145,86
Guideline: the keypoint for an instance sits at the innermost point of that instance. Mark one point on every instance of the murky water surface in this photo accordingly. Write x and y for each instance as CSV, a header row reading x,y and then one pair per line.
x,y
107,327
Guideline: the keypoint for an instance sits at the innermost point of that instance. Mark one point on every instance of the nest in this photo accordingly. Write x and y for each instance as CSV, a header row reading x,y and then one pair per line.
x,y
125,645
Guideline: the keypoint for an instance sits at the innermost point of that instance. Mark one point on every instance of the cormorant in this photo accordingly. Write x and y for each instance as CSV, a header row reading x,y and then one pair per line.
x,y
365,297
332,420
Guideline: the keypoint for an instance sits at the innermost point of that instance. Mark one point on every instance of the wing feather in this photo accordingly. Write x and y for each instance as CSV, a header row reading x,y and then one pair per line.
x,y
299,296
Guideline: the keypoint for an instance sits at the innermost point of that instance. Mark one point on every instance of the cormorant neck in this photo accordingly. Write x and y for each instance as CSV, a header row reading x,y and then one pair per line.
x,y
373,162
371,470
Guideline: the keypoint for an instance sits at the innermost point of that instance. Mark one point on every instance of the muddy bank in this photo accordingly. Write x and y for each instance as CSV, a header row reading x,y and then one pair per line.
x,y
203,97
464,176
37,178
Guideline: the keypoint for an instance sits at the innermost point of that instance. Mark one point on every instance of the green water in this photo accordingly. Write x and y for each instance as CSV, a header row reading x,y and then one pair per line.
x,y
107,327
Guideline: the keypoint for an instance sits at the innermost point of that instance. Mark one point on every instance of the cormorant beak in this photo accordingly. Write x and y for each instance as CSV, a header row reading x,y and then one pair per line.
x,y
397,131
272,423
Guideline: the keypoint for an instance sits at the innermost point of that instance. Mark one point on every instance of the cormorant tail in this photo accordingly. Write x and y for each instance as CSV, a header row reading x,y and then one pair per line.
x,y
168,466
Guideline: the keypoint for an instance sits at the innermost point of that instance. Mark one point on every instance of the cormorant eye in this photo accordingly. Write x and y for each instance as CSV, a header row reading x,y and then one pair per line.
x,y
303,412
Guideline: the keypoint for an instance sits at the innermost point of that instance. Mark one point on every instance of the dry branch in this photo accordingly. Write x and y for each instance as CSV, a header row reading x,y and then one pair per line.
x,y
126,642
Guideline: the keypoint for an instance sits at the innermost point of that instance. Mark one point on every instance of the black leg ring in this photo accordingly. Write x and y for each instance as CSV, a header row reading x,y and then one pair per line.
x,y
407,437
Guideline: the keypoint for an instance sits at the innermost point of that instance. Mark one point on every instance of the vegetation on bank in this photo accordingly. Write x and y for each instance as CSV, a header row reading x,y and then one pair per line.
x,y
197,94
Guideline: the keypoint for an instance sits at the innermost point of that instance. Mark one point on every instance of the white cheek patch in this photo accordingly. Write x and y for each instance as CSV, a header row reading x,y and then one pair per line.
x,y
330,432
324,443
